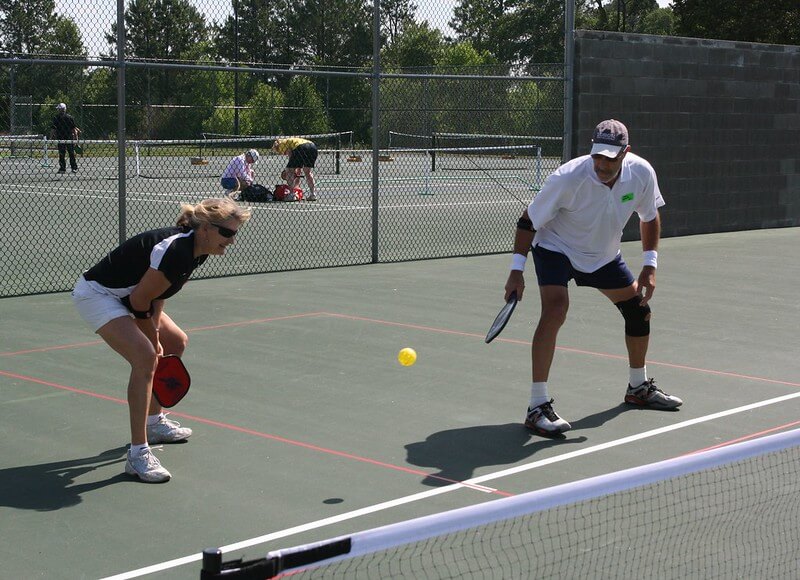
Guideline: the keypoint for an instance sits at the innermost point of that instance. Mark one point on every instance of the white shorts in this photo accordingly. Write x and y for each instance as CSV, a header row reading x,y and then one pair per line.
x,y
97,304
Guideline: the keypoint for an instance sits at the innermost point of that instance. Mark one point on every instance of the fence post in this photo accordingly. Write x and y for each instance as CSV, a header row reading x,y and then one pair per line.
x,y
376,71
121,137
569,62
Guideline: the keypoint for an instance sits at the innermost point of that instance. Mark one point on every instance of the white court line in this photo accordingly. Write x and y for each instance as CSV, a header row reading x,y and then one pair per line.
x,y
453,487
289,207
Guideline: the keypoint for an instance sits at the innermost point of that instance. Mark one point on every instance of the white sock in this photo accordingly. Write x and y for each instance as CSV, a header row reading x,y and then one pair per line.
x,y
137,450
153,419
637,376
538,394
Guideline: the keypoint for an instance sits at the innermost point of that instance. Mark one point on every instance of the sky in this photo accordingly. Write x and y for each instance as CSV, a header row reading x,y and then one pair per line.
x,y
94,17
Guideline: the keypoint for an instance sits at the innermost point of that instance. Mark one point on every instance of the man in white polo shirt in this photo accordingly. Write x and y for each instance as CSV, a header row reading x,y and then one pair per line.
x,y
574,229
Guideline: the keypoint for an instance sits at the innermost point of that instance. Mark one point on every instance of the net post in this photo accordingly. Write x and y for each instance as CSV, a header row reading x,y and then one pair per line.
x,y
212,560
337,154
46,157
538,183
137,158
433,152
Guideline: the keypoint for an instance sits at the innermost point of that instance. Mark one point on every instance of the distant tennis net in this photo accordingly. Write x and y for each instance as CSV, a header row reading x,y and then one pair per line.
x,y
168,159
341,140
725,513
21,146
494,151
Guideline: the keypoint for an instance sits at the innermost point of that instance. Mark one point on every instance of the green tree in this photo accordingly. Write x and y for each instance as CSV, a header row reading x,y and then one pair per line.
x,y
407,106
161,30
517,32
221,120
332,32
406,103
469,105
418,47
660,21
531,33
625,15
465,57
769,21
99,101
24,25
261,30
477,21
396,17
535,108
262,41
306,114
265,111
32,28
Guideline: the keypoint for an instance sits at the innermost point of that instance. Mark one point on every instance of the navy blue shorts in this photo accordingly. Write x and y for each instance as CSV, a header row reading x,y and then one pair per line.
x,y
555,269
229,183
304,155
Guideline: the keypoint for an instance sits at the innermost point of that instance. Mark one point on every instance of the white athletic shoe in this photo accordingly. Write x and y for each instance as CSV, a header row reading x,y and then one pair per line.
x,y
146,467
649,395
167,431
311,197
544,421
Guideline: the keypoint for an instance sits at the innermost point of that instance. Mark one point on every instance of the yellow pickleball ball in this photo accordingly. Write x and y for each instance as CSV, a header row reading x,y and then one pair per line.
x,y
407,357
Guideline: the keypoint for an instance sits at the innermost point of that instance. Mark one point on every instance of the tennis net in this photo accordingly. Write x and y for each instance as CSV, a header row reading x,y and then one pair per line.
x,y
336,140
724,513
465,152
25,146
158,159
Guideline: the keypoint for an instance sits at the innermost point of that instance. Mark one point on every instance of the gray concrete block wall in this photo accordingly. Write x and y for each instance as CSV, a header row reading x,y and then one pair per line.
x,y
719,121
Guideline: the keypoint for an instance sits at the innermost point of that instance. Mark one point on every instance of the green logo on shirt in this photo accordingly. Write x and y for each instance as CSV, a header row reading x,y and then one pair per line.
x,y
627,197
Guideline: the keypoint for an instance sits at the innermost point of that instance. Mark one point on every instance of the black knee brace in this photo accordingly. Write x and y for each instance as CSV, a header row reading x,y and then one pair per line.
x,y
637,318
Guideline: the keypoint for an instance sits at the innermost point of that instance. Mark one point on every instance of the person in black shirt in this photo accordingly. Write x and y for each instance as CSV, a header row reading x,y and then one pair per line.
x,y
66,131
122,298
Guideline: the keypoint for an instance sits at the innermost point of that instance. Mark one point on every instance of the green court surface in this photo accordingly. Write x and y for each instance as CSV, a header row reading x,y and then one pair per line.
x,y
306,427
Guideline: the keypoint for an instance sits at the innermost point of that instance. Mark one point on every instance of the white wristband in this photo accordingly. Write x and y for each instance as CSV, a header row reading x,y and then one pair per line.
x,y
650,258
518,262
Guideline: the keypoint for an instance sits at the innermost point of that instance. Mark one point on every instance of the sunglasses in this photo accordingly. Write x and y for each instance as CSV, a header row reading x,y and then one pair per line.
x,y
225,232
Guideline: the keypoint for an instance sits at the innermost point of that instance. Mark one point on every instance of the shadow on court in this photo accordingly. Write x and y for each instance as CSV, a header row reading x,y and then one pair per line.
x,y
602,417
457,453
51,486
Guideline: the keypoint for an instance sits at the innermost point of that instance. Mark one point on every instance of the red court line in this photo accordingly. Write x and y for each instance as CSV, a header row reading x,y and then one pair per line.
x,y
196,329
334,452
262,435
63,387
402,324
565,349
255,321
49,348
744,438
437,330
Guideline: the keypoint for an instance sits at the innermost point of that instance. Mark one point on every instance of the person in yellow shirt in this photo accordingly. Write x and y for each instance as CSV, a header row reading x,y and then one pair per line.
x,y
303,156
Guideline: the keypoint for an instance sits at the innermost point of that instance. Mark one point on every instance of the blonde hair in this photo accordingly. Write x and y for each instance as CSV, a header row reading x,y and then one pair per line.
x,y
212,211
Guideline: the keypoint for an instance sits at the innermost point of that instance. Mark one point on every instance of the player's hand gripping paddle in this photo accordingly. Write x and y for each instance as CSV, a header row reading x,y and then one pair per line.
x,y
502,318
171,381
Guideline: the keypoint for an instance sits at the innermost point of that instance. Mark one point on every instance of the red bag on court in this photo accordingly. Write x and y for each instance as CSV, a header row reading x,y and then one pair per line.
x,y
285,193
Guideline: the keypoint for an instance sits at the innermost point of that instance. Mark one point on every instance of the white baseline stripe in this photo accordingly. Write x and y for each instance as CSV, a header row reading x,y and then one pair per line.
x,y
434,492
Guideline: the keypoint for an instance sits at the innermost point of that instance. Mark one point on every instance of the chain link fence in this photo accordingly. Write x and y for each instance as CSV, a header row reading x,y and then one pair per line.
x,y
429,145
